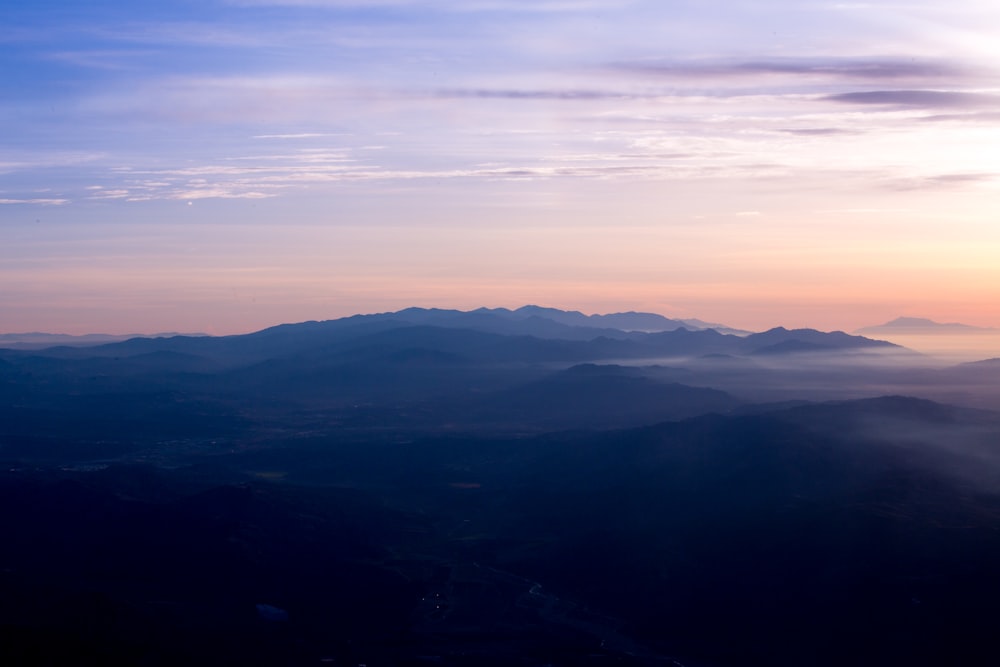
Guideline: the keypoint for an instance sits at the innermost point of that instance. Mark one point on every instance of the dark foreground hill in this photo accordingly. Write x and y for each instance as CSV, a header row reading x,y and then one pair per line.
x,y
862,533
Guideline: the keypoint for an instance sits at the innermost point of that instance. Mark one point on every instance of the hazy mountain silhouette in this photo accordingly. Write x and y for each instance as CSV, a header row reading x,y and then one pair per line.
x,y
450,331
38,340
919,325
808,340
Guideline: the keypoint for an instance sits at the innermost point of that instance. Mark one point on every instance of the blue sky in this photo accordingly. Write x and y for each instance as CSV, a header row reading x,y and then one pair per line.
x,y
226,165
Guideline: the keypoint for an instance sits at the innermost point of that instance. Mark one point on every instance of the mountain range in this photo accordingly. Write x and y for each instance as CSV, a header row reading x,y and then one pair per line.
x,y
580,336
534,320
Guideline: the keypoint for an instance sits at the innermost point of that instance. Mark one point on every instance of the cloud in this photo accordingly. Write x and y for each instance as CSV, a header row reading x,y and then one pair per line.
x,y
273,175
218,193
963,178
864,211
43,202
917,98
987,117
300,135
41,159
818,131
942,181
303,99
530,94
100,193
841,68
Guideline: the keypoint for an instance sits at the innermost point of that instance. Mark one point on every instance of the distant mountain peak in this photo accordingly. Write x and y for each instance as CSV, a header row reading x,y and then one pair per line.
x,y
913,322
922,325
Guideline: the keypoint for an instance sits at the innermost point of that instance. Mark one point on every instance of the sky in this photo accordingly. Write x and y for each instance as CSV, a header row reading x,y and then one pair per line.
x,y
221,166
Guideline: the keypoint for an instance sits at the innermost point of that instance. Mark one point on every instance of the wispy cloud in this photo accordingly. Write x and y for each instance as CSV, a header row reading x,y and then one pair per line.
x,y
218,193
803,67
918,98
299,135
818,131
42,202
977,117
232,99
485,93
864,211
942,181
100,192
20,160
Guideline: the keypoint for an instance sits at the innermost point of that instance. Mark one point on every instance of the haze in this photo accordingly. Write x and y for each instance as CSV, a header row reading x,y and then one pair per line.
x,y
228,165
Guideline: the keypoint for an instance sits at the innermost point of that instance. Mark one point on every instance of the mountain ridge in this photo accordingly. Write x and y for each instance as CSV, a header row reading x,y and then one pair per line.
x,y
528,322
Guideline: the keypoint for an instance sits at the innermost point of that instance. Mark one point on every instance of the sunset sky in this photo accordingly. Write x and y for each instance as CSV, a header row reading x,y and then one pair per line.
x,y
221,166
